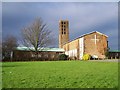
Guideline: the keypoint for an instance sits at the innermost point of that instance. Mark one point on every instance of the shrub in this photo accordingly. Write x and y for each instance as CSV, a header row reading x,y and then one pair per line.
x,y
86,57
62,57
107,54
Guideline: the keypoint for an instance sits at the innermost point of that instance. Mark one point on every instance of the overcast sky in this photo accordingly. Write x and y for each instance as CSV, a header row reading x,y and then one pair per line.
x,y
83,18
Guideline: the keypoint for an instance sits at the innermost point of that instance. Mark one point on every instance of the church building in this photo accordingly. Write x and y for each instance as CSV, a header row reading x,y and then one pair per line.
x,y
93,43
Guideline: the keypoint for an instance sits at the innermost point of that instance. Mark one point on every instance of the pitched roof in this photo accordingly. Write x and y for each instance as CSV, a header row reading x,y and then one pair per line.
x,y
40,49
87,34
93,32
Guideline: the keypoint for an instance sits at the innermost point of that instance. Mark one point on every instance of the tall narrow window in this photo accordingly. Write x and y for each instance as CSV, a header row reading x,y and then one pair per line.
x,y
64,31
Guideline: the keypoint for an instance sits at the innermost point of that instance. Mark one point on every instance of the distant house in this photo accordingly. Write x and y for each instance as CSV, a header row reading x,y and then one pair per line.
x,y
114,54
24,53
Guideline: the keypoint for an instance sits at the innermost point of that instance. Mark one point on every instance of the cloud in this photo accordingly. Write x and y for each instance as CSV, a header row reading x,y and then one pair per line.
x,y
60,0
83,17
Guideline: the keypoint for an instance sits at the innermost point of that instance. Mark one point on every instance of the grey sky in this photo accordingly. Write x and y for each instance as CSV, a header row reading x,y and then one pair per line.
x,y
83,18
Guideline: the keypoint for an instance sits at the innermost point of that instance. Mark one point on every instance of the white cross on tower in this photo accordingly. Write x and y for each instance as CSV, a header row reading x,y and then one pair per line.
x,y
95,39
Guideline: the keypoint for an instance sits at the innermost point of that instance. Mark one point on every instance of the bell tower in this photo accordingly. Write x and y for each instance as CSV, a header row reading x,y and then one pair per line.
x,y
63,32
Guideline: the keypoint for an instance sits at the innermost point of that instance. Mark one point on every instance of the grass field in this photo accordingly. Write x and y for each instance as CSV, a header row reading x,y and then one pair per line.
x,y
60,74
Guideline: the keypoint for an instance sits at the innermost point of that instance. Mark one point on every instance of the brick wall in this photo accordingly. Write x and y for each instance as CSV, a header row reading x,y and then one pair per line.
x,y
29,55
95,49
90,47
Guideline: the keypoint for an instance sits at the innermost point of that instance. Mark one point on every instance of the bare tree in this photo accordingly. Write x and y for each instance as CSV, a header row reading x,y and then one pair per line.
x,y
36,35
9,43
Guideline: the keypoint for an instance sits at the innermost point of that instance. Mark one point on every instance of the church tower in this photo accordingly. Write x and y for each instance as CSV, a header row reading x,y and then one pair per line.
x,y
63,32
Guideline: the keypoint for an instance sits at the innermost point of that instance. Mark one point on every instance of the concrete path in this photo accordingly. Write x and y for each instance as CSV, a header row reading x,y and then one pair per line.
x,y
109,60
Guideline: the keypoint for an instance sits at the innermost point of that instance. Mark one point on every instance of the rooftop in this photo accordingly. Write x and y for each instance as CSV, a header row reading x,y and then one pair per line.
x,y
40,49
114,51
87,34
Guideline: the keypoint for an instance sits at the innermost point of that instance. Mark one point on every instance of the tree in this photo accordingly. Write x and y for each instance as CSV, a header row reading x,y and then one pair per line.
x,y
36,35
9,43
62,57
107,52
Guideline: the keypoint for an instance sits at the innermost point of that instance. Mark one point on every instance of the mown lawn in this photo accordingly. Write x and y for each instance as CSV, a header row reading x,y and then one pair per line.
x,y
60,74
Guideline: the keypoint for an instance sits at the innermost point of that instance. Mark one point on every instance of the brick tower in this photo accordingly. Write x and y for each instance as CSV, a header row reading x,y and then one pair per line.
x,y
63,32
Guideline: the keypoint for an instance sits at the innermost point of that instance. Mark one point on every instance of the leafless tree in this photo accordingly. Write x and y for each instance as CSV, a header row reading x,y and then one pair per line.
x,y
36,35
9,43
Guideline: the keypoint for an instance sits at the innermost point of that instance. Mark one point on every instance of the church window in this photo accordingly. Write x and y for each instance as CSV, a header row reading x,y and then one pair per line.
x,y
33,55
64,22
46,55
53,56
64,32
39,55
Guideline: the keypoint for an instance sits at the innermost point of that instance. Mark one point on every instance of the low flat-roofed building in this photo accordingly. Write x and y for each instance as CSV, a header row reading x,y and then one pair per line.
x,y
114,54
25,53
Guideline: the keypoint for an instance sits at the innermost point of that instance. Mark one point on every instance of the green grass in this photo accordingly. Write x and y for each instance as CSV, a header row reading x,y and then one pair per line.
x,y
60,74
